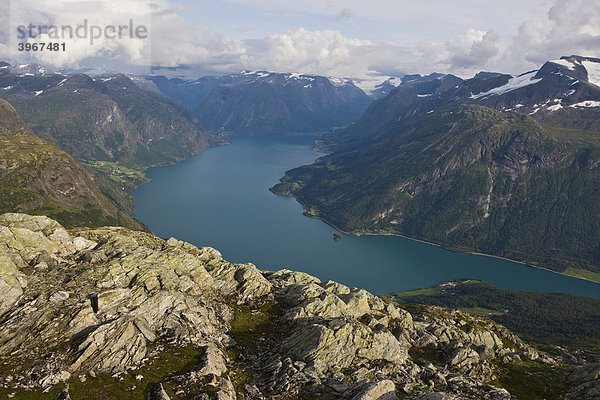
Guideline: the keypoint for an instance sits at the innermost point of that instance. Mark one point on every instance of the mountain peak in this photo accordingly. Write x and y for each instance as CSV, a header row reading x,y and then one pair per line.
x,y
579,64
580,59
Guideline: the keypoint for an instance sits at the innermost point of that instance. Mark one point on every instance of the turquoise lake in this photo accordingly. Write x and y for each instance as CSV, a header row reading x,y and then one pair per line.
x,y
221,199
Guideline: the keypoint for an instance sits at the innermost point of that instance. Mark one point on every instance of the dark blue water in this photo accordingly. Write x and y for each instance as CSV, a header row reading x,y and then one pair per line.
x,y
220,198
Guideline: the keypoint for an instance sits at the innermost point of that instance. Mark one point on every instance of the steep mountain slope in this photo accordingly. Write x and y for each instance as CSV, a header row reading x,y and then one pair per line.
x,y
486,165
137,316
414,97
384,88
37,177
187,93
106,119
110,124
261,102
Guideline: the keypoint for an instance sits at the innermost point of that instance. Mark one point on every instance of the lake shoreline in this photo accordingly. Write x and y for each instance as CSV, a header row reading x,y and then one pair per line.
x,y
211,201
524,263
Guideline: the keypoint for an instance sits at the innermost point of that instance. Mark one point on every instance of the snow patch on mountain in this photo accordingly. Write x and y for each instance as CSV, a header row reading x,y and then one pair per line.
x,y
339,82
371,85
395,81
258,74
555,107
587,104
593,71
565,63
514,83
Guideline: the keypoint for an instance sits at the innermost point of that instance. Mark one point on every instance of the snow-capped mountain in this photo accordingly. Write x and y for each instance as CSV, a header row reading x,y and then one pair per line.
x,y
31,69
384,88
564,94
259,102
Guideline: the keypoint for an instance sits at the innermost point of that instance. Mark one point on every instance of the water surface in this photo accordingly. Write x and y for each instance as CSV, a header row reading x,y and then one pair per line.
x,y
220,198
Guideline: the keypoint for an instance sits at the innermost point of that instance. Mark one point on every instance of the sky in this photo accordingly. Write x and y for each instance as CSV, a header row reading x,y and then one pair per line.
x,y
366,40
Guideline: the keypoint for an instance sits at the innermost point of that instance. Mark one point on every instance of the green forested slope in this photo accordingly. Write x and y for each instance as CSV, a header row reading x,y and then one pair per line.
x,y
37,177
469,177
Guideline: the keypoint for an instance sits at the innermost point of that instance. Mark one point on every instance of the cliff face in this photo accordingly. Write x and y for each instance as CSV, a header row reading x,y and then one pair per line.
x,y
37,177
108,313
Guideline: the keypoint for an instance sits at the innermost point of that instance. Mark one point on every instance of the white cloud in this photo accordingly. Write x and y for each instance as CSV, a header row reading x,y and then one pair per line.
x,y
318,52
471,43
171,41
474,49
570,27
68,21
176,42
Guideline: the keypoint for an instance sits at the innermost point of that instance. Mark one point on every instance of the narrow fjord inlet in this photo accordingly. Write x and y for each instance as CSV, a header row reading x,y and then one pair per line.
x,y
221,199
314,200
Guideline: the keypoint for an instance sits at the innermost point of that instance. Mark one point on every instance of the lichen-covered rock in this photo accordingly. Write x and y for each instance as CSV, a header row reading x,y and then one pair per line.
x,y
584,383
212,362
157,392
335,345
243,279
367,390
110,300
12,281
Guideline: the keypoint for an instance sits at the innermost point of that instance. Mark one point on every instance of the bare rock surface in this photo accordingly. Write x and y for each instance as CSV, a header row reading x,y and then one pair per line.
x,y
101,302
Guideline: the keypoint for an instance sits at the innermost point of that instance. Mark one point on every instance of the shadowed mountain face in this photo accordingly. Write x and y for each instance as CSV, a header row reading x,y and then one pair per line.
x,y
37,177
498,164
263,102
107,119
110,124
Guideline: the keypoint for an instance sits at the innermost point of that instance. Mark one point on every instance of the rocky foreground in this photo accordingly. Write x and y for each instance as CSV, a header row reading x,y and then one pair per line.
x,y
86,312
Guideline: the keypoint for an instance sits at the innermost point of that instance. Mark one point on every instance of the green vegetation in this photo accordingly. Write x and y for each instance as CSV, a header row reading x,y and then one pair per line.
x,y
543,318
169,361
126,177
530,380
582,273
38,178
253,328
116,181
470,178
254,333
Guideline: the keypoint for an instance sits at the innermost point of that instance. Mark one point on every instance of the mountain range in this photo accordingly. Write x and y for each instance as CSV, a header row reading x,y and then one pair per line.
x,y
498,164
111,125
263,102
502,164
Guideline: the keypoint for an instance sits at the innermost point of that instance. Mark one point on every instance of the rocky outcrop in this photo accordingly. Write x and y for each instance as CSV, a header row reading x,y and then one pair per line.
x,y
79,304
585,383
367,390
157,392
